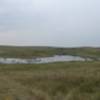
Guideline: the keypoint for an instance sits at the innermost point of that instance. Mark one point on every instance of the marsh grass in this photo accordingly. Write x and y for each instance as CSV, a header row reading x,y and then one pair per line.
x,y
56,81
30,52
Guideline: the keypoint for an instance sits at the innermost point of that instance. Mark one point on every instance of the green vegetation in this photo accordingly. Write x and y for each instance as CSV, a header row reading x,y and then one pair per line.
x,y
29,52
56,81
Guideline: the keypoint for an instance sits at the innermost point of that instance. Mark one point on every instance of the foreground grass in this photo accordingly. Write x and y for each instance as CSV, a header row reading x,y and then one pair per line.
x,y
56,81
29,52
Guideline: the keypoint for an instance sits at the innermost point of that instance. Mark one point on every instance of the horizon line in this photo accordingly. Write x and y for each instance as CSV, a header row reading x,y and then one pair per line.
x,y
48,46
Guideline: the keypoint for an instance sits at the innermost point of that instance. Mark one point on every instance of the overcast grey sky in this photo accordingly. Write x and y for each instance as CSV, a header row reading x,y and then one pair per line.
x,y
50,22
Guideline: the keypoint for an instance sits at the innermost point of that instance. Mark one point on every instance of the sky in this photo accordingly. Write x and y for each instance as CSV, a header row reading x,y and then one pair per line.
x,y
65,23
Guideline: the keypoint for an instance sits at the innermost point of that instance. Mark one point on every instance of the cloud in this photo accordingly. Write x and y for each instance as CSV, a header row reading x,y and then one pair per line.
x,y
52,22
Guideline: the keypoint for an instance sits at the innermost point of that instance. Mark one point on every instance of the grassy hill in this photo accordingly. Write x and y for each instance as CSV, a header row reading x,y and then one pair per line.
x,y
29,52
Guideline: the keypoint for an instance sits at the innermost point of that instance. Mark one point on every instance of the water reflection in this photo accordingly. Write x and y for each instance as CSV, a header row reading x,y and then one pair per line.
x,y
39,60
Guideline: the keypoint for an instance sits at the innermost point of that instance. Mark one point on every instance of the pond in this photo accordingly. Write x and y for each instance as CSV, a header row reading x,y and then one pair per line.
x,y
39,60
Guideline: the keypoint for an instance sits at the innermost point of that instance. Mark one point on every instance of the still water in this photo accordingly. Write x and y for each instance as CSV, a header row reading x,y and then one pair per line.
x,y
56,58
